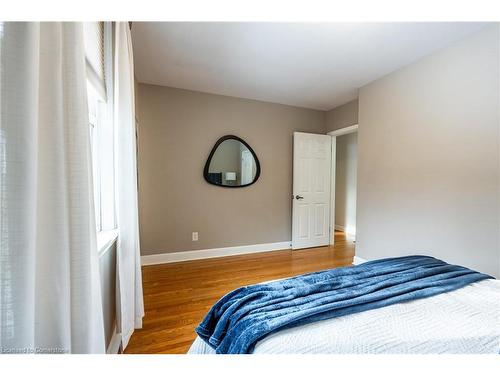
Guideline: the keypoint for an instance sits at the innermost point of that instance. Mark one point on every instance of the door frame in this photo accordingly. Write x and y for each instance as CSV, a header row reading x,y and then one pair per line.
x,y
334,134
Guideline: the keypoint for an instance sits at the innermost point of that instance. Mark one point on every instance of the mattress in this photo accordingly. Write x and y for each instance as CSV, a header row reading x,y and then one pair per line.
x,y
466,320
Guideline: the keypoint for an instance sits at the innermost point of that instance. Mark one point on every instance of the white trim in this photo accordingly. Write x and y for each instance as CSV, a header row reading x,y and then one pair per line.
x,y
340,228
334,134
183,256
114,344
333,168
107,137
358,260
343,131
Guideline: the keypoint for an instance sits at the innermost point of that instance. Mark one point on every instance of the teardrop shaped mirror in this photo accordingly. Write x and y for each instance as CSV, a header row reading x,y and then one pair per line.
x,y
232,163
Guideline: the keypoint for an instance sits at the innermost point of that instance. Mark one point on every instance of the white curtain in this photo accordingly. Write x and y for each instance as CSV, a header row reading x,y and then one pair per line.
x,y
50,297
130,299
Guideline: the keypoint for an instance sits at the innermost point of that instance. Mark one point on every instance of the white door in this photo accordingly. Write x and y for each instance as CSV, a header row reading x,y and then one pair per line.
x,y
311,190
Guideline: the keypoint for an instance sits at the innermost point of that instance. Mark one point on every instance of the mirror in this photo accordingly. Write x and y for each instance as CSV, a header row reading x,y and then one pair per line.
x,y
232,163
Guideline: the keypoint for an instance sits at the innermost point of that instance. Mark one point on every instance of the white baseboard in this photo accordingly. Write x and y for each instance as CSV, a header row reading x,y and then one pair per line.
x,y
183,256
114,344
358,260
340,228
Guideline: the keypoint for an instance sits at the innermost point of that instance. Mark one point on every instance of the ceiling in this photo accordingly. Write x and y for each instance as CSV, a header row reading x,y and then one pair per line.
x,y
312,65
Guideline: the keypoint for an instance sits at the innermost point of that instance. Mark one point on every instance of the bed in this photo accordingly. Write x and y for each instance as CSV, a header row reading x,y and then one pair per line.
x,y
465,320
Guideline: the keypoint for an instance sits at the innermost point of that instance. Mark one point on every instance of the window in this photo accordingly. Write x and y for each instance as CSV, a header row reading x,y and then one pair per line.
x,y
100,101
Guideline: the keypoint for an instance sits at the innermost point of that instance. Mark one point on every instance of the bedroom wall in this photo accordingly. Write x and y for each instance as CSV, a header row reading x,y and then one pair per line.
x,y
342,116
428,161
345,183
177,130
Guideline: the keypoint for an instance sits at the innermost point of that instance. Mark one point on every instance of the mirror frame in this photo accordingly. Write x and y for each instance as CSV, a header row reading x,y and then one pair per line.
x,y
217,144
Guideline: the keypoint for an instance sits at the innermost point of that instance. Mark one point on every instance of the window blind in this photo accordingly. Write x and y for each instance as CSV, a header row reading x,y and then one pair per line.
x,y
94,55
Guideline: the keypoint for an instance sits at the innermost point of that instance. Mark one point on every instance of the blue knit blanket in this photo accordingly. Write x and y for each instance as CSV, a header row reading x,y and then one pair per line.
x,y
248,314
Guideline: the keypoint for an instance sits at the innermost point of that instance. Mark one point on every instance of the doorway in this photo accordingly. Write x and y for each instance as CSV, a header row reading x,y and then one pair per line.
x,y
344,182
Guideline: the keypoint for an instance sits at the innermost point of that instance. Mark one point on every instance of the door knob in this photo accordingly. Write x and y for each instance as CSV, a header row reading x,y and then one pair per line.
x,y
299,197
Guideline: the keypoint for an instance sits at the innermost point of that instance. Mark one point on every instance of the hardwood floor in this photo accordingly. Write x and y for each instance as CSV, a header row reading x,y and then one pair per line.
x,y
178,295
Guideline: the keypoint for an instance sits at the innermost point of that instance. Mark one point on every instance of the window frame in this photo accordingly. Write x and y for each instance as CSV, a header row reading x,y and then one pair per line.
x,y
101,125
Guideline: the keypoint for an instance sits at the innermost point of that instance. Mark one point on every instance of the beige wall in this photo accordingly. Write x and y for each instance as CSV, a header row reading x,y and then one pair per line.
x,y
345,182
177,130
428,162
342,116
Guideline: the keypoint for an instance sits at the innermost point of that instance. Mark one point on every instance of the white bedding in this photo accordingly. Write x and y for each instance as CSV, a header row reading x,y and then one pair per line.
x,y
466,320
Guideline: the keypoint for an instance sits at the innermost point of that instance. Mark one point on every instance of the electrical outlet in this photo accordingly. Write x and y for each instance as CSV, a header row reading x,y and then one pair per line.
x,y
195,236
